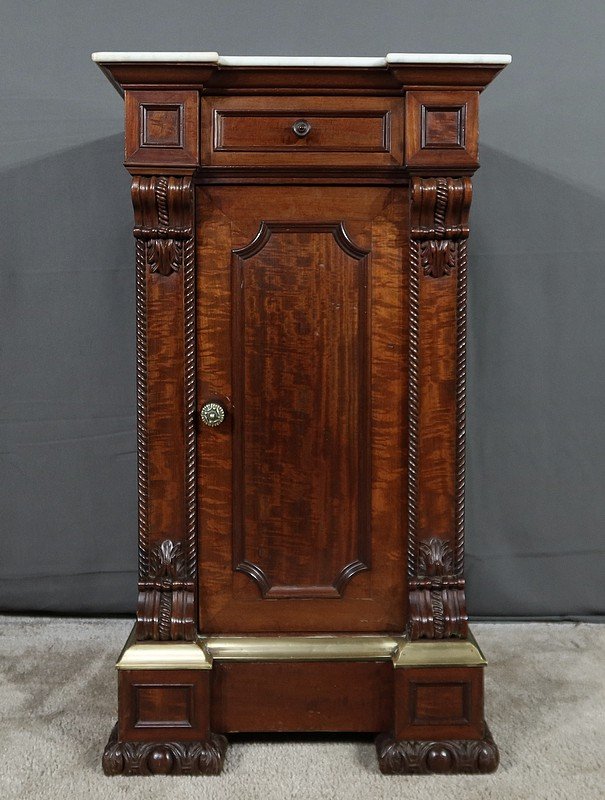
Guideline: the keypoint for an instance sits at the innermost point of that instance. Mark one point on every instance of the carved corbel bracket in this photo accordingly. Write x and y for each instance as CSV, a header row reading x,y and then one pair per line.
x,y
439,221
163,216
439,209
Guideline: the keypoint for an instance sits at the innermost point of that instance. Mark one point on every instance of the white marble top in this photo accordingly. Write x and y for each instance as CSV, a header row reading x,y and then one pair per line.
x,y
305,61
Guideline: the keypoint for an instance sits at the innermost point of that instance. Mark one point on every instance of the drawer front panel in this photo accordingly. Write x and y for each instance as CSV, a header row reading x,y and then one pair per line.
x,y
260,131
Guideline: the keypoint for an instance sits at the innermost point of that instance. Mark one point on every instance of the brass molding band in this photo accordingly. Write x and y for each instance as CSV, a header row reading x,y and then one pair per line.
x,y
440,653
163,655
344,647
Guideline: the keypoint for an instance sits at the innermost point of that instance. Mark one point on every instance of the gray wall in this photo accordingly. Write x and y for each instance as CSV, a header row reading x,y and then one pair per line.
x,y
536,505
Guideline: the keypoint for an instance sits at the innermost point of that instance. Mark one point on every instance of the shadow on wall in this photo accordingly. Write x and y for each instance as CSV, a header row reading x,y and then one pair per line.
x,y
536,505
68,488
68,397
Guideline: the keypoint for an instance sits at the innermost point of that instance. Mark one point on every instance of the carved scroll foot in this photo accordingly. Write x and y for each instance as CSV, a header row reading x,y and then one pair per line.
x,y
445,757
164,758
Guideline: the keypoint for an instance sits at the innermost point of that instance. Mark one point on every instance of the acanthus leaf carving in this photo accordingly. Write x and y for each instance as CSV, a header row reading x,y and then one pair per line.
x,y
438,257
167,563
164,255
435,558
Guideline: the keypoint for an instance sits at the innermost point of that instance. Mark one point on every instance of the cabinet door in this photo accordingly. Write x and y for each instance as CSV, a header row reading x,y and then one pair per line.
x,y
302,299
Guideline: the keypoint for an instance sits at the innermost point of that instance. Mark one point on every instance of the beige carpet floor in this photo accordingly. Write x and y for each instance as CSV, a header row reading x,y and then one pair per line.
x,y
545,706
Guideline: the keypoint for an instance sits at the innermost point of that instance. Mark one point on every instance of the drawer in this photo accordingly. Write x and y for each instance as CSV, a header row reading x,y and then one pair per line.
x,y
343,131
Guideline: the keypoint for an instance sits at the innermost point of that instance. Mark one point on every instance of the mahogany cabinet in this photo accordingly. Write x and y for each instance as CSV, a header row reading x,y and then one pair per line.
x,y
301,236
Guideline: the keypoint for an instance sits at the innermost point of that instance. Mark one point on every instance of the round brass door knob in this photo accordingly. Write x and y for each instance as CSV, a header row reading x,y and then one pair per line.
x,y
212,414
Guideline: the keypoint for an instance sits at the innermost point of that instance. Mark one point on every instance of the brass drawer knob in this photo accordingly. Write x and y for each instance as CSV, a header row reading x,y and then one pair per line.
x,y
212,414
301,128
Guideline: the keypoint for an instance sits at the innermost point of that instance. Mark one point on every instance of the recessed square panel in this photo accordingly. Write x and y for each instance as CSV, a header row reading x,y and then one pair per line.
x,y
166,703
439,703
161,126
443,127
160,706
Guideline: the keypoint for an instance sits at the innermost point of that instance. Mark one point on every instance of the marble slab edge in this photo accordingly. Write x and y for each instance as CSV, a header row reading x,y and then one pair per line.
x,y
391,59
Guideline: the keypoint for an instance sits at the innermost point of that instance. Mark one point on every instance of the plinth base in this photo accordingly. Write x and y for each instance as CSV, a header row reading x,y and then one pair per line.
x,y
427,695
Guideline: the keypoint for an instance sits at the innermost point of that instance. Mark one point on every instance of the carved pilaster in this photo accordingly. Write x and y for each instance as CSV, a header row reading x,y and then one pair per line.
x,y
165,300
439,209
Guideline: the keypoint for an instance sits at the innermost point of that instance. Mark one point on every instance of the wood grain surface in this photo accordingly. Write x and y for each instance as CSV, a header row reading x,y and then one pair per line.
x,y
301,335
